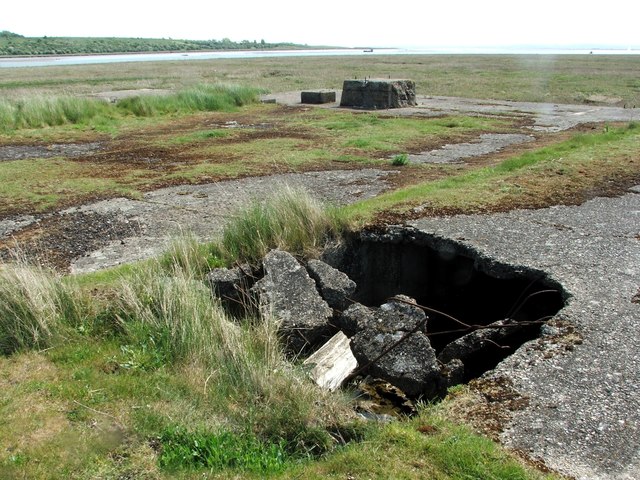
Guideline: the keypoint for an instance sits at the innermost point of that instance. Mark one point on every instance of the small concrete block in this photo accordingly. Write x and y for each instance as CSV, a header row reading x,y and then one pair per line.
x,y
318,97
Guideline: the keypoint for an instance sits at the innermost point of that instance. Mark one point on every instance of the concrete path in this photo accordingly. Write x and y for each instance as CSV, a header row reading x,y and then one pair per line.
x,y
583,413
203,210
547,117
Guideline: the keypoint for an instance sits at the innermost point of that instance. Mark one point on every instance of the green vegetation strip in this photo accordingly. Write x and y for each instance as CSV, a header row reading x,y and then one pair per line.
x,y
220,451
577,160
43,111
18,45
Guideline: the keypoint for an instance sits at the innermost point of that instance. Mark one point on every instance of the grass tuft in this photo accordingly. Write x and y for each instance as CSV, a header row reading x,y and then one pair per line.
x,y
202,98
219,451
36,307
187,254
291,220
40,111
43,111
400,160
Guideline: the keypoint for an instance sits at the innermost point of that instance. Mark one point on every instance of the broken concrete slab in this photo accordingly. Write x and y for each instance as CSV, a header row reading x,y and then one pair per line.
x,y
287,292
355,319
378,93
391,344
232,285
333,362
469,345
335,286
393,316
411,364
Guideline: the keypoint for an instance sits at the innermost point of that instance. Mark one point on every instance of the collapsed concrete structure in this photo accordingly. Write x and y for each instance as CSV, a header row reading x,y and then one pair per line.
x,y
372,288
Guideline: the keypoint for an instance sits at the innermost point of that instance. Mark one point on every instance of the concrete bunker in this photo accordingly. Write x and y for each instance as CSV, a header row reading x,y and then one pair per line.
x,y
378,93
448,277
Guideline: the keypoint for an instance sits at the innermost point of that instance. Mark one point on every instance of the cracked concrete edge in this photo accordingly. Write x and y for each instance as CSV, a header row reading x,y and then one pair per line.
x,y
583,415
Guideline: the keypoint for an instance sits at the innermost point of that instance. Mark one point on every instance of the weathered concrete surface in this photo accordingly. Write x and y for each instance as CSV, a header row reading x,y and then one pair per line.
x,y
318,97
204,210
288,293
334,286
378,93
583,414
457,152
18,152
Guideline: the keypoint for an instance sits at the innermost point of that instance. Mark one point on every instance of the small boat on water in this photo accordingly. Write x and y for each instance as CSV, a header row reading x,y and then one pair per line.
x,y
368,50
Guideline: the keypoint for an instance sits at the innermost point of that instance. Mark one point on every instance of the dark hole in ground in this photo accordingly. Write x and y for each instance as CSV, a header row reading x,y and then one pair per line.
x,y
449,277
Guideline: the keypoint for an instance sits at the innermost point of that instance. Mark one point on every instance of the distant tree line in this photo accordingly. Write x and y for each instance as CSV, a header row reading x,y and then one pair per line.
x,y
14,44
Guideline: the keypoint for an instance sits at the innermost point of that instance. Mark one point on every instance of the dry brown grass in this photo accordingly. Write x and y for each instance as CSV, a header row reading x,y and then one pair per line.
x,y
562,78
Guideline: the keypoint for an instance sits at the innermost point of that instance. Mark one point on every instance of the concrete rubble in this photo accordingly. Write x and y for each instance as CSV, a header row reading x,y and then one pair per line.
x,y
319,319
288,293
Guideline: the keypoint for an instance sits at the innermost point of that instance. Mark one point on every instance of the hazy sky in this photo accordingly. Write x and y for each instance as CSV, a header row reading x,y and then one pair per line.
x,y
401,23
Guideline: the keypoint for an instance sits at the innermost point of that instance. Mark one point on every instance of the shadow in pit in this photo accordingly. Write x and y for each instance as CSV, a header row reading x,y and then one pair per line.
x,y
451,278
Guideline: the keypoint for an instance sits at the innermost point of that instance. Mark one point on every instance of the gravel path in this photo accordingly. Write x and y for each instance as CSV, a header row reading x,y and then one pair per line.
x,y
457,152
583,413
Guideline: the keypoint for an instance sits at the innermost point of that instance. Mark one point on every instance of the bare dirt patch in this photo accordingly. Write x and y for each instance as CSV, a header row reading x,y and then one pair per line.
x,y
70,150
57,238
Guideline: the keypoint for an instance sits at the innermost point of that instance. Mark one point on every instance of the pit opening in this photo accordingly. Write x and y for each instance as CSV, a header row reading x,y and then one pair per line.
x,y
452,278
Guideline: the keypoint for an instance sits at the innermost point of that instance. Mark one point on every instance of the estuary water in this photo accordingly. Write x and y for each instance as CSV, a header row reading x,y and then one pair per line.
x,y
64,60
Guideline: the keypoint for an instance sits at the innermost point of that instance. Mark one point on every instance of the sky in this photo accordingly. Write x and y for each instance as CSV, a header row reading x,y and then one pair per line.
x,y
405,23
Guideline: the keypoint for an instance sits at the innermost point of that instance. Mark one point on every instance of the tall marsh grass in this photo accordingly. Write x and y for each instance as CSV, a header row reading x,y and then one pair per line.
x,y
187,254
36,307
42,111
291,220
202,98
242,365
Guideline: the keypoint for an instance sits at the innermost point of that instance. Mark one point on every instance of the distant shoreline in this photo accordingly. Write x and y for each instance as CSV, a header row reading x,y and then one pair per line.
x,y
10,61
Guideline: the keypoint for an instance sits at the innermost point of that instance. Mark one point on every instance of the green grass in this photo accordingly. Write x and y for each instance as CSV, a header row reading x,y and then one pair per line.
x,y
568,165
400,160
38,112
378,134
296,143
290,220
203,98
548,78
48,111
220,451
427,446
36,308
201,136
40,184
